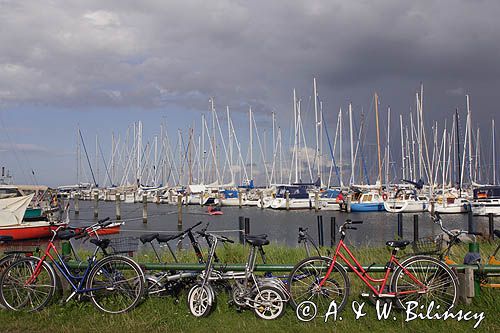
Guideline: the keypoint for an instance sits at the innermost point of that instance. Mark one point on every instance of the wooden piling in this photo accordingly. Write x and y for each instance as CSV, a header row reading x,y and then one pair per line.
x,y
247,226
240,204
333,230
320,230
241,227
287,200
470,220
400,225
348,205
96,205
491,226
316,201
118,198
261,199
77,203
144,208
179,212
415,228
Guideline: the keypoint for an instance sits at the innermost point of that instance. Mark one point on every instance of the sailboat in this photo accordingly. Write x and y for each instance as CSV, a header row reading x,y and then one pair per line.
x,y
12,211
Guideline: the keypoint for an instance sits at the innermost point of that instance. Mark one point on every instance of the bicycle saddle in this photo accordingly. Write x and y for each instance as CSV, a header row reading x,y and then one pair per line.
x,y
146,238
398,244
102,243
260,236
66,234
496,232
165,238
256,240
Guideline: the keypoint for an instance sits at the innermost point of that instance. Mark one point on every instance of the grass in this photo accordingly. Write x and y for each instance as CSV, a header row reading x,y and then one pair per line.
x,y
165,315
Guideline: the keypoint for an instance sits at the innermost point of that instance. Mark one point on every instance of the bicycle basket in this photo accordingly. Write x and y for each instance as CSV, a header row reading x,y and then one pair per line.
x,y
124,245
428,245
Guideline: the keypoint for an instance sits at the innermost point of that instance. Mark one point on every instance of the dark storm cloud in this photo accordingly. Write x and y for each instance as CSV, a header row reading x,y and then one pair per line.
x,y
159,53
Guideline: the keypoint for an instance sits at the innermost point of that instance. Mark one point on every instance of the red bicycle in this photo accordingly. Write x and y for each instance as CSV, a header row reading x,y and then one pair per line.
x,y
321,280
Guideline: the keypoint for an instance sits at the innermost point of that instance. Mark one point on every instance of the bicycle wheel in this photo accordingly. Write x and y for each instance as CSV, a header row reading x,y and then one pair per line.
x,y
201,300
20,290
269,303
440,284
116,284
304,280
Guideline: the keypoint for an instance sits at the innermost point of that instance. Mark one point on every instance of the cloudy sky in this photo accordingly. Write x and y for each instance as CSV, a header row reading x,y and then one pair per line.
x,y
101,65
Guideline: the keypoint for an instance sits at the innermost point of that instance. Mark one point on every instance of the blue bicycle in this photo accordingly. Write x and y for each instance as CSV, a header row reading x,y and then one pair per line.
x,y
114,284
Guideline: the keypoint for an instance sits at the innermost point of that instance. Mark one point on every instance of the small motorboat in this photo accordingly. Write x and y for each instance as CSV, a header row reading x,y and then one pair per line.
x,y
214,210
12,211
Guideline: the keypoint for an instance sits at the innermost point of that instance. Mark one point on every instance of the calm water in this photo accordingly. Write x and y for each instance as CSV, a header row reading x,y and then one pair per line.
x,y
281,226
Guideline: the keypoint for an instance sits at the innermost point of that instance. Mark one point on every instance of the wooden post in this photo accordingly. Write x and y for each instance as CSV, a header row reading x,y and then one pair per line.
x,y
144,208
170,198
77,204
491,226
287,200
320,230
400,225
415,228
316,201
96,205
239,199
348,206
179,212
241,226
333,230
202,195
261,199
247,226
157,197
118,198
470,220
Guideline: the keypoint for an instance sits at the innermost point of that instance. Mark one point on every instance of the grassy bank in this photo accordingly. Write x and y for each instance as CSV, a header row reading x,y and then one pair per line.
x,y
164,315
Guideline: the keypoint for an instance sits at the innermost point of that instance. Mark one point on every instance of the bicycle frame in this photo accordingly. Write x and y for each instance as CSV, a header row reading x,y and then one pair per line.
x,y
76,281
368,280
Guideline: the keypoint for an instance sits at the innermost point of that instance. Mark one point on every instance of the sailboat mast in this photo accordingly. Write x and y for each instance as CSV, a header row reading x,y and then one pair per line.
x,y
402,147
387,166
316,124
340,149
378,142
469,129
457,136
230,138
493,151
97,159
251,142
202,149
295,137
444,165
351,179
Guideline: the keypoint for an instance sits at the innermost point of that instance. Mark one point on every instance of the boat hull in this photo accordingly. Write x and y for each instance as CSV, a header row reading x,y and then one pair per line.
x,y
30,231
398,206
368,207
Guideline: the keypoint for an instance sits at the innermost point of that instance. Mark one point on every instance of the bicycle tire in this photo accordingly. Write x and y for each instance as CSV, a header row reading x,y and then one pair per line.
x,y
301,289
272,303
437,276
16,295
201,300
116,284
